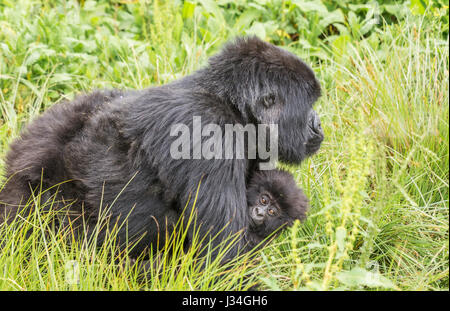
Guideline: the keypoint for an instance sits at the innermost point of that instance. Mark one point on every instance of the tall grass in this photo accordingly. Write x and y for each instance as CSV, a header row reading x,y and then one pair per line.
x,y
38,254
378,187
380,183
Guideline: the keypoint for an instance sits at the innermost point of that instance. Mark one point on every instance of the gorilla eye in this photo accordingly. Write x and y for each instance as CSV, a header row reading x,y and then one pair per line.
x,y
271,211
269,100
264,200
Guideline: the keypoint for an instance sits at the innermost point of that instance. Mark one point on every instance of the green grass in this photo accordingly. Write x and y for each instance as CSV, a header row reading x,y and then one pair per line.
x,y
378,187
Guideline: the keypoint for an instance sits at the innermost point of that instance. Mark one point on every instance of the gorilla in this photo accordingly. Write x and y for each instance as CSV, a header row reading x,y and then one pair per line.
x,y
110,150
274,202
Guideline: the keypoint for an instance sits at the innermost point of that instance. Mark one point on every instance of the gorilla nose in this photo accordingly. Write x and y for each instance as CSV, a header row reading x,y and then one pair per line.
x,y
314,123
259,211
314,134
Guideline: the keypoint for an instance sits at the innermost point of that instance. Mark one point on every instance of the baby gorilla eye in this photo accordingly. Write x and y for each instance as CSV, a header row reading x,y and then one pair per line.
x,y
264,200
271,211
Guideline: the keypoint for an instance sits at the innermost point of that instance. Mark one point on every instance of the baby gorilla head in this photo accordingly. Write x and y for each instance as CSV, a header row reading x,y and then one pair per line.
x,y
274,201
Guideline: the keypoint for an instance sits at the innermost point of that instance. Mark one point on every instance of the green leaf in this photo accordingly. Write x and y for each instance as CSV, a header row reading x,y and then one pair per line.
x,y
188,10
353,19
257,29
5,49
398,10
60,77
246,19
212,8
306,7
361,277
333,17
341,234
368,26
418,7
271,283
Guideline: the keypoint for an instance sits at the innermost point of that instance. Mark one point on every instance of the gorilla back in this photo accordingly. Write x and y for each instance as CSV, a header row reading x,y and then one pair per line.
x,y
113,147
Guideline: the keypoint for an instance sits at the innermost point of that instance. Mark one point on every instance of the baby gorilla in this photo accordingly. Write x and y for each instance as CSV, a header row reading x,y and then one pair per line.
x,y
274,201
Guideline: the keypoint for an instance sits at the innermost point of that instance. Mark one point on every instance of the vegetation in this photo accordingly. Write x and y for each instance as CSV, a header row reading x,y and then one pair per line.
x,y
379,186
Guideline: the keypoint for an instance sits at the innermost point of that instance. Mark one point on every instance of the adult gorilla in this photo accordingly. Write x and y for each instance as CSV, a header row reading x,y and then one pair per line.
x,y
113,147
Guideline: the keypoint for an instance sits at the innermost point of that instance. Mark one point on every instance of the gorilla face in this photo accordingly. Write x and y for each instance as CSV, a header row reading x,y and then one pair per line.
x,y
266,215
299,137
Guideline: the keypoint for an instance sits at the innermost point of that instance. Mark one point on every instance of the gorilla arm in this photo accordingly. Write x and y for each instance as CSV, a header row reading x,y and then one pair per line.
x,y
220,205
216,190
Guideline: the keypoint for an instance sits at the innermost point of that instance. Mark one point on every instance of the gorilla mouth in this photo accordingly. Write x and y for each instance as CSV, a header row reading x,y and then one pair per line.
x,y
315,125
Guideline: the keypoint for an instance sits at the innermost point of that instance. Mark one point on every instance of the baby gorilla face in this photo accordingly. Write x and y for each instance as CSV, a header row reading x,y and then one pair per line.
x,y
265,207
266,216
274,201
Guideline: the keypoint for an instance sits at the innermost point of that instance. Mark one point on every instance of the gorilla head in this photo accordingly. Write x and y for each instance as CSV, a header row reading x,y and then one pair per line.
x,y
113,148
274,201
270,85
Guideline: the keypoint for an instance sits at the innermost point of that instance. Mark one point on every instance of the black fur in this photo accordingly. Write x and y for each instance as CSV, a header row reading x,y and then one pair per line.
x,y
113,146
283,196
